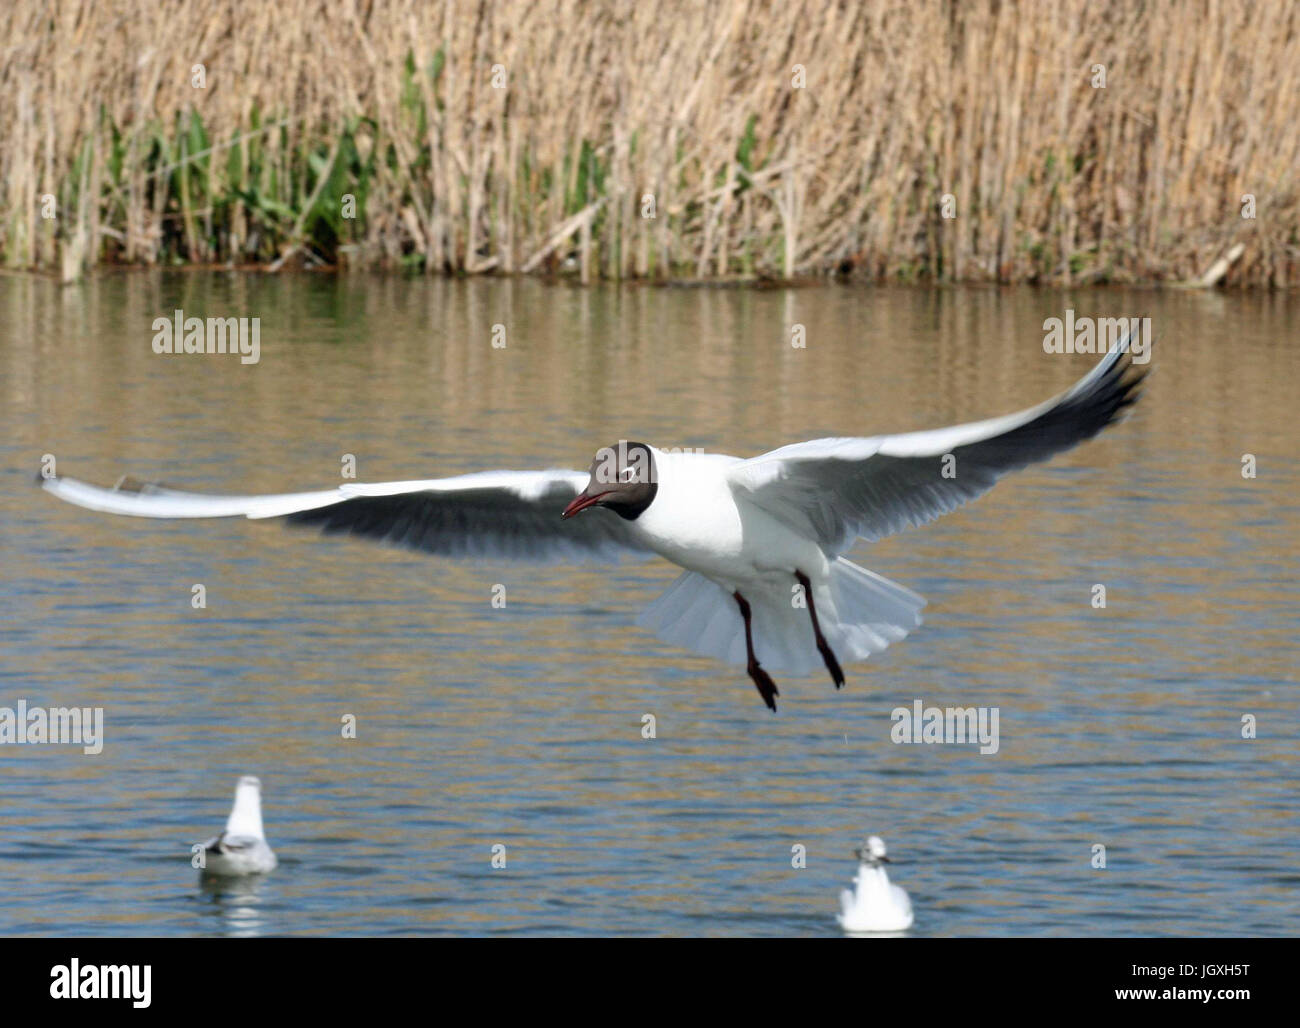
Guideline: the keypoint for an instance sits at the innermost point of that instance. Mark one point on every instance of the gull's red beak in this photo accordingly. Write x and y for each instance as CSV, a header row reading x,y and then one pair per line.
x,y
581,502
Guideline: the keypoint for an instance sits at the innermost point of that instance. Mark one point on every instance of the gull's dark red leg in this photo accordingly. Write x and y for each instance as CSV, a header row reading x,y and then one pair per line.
x,y
828,656
762,680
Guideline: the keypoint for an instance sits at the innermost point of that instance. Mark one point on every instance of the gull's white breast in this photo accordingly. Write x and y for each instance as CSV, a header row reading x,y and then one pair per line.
x,y
875,905
697,522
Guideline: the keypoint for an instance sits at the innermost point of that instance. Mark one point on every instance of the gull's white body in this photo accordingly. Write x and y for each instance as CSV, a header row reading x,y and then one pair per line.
x,y
734,525
728,544
242,848
699,522
875,904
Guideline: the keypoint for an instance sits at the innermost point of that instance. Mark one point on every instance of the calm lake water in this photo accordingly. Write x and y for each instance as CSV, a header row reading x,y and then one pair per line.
x,y
479,726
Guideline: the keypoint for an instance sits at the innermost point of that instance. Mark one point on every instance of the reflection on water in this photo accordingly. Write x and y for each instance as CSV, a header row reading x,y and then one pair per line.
x,y
236,904
521,727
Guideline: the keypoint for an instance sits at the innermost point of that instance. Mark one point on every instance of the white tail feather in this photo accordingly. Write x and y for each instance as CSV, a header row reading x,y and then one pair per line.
x,y
860,614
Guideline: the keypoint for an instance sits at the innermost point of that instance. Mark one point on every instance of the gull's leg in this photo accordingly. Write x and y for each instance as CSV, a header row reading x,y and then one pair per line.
x,y
762,680
828,656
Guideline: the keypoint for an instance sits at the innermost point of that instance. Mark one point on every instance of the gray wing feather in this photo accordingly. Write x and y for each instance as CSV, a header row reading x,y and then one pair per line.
x,y
838,490
512,515
483,522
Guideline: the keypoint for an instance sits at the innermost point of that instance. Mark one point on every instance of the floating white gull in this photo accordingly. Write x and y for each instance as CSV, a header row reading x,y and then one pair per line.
x,y
242,848
874,905
765,585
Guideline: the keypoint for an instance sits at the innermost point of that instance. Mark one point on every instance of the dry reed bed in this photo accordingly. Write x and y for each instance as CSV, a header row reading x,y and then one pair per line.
x,y
393,102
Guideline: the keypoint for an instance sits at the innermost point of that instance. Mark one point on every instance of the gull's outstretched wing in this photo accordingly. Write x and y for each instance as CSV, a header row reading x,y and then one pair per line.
x,y
836,490
514,515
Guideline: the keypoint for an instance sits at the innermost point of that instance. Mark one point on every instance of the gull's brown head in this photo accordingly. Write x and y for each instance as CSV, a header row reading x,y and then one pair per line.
x,y
624,478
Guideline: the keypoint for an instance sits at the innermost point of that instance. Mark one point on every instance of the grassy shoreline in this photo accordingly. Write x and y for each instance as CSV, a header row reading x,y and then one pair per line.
x,y
769,142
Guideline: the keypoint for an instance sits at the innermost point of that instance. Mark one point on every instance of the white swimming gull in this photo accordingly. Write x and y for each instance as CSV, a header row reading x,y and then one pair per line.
x,y
874,905
242,848
761,540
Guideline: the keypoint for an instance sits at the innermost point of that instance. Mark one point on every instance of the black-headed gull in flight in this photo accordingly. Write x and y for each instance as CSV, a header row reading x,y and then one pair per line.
x,y
765,585
242,848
